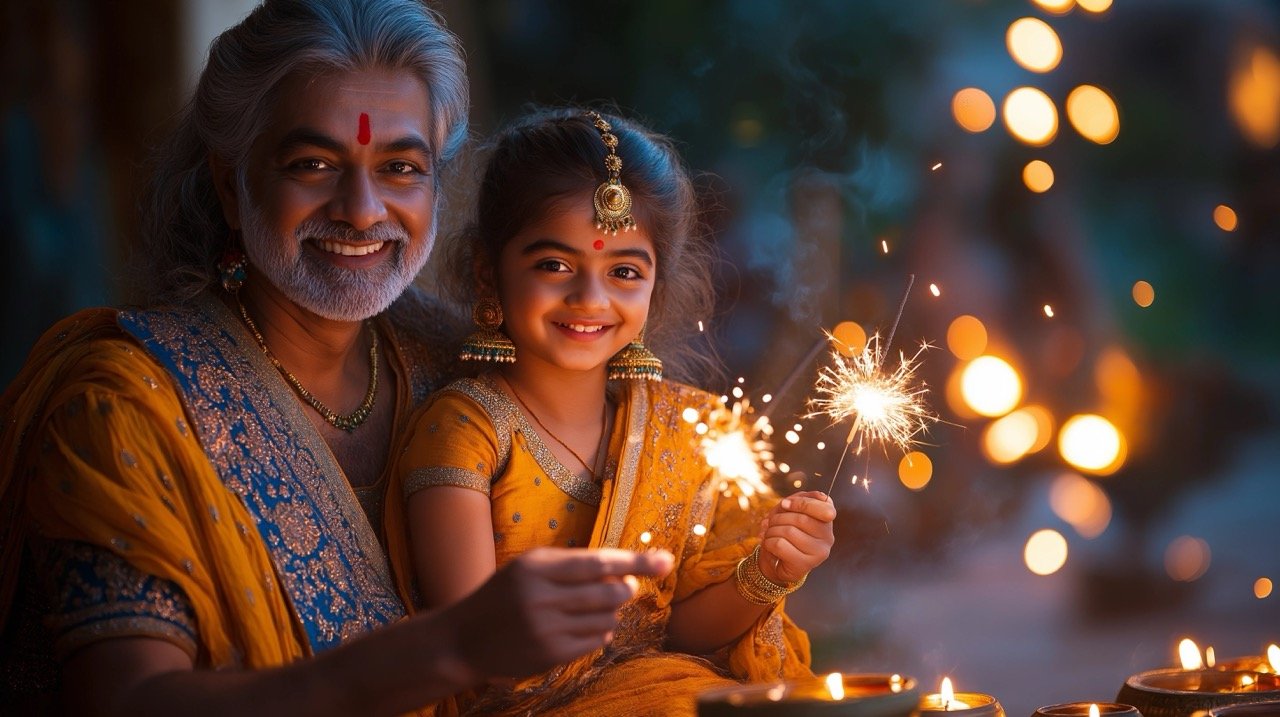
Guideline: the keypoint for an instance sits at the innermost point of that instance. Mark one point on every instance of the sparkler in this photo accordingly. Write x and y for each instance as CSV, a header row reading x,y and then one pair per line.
x,y
886,408
736,444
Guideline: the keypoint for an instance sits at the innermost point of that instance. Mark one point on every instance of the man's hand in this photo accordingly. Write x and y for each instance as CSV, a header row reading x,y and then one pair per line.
x,y
547,607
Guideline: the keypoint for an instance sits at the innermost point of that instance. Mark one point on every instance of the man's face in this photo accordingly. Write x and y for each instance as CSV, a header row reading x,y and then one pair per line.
x,y
336,204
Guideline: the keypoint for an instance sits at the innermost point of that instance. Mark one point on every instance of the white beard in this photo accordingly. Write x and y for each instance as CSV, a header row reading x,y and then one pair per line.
x,y
322,288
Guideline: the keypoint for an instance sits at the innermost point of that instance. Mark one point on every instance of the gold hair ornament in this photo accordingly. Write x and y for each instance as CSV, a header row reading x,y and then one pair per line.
x,y
612,200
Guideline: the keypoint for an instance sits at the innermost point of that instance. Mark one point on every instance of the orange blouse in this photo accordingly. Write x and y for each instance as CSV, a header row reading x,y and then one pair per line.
x,y
656,483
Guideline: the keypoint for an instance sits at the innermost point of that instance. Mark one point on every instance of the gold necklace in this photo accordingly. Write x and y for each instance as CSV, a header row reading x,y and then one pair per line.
x,y
346,423
604,430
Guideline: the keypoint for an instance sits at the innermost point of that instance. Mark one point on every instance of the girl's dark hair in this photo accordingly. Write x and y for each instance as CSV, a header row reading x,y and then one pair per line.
x,y
554,154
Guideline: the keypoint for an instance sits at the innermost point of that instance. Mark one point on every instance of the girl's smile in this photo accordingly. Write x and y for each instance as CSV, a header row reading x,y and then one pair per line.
x,y
567,304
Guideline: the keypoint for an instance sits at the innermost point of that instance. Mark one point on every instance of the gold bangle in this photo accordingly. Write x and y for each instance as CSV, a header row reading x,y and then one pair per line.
x,y
755,588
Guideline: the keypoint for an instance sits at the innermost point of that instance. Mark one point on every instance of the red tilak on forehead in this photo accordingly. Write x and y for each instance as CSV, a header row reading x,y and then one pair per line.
x,y
363,134
598,244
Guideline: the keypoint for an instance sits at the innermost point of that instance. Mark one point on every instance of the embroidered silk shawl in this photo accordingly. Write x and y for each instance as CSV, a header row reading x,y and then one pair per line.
x,y
168,439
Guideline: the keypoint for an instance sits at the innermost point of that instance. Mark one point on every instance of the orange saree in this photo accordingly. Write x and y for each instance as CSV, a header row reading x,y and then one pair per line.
x,y
657,493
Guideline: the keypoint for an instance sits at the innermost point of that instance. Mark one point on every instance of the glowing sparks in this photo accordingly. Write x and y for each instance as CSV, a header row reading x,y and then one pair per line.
x,y
733,442
936,167
700,327
886,408
933,289
1048,311
884,246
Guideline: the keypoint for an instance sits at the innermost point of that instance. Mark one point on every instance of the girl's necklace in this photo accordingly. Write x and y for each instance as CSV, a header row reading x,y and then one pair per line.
x,y
346,423
600,449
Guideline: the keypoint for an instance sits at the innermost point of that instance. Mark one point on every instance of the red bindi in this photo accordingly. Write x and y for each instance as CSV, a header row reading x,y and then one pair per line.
x,y
363,135
598,244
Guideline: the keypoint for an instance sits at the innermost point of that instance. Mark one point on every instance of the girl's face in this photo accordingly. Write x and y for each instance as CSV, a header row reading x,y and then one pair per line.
x,y
568,305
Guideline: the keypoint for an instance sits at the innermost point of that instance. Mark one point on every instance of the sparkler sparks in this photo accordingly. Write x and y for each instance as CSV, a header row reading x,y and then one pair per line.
x,y
886,408
735,443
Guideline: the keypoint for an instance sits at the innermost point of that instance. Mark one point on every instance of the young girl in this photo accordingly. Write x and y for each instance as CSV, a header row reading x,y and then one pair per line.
x,y
582,253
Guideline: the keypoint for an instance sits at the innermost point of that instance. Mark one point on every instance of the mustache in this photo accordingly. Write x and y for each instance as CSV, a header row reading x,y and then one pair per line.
x,y
341,231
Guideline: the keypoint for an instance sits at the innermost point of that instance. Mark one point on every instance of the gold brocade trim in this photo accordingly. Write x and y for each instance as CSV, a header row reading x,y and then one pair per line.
x,y
132,626
507,420
420,478
628,465
332,568
487,396
330,480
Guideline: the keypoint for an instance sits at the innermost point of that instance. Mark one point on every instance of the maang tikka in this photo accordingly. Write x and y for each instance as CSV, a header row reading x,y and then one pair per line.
x,y
612,200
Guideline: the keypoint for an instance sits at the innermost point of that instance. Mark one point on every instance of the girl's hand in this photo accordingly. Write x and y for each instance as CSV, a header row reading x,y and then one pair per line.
x,y
797,536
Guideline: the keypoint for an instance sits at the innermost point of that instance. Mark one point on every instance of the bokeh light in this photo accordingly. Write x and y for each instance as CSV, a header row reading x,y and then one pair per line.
x,y
1187,558
1033,44
1045,552
1030,116
1143,293
1092,444
1253,96
1044,426
955,394
1094,5
915,470
1120,385
1057,7
966,337
1225,218
973,109
1010,438
990,386
1079,502
850,337
1262,588
1038,176
1093,113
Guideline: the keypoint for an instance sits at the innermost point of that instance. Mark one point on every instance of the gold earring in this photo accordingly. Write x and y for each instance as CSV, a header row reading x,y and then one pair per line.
x,y
487,343
635,360
231,270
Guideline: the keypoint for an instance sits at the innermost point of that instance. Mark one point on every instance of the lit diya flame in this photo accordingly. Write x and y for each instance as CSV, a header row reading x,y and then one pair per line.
x,y
886,408
1273,657
835,685
1209,657
735,444
948,696
1189,654
1093,710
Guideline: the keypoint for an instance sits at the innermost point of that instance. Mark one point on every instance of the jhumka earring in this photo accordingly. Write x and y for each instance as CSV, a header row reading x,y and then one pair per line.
x,y
487,343
635,360
231,270
612,200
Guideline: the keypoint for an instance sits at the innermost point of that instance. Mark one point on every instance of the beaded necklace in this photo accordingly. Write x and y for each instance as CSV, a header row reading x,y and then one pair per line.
x,y
346,423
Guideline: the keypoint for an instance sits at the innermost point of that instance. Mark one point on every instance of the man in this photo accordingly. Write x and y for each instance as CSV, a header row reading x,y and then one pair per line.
x,y
191,491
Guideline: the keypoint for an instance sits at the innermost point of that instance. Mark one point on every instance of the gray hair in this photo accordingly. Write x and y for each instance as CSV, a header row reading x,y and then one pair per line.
x,y
184,233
